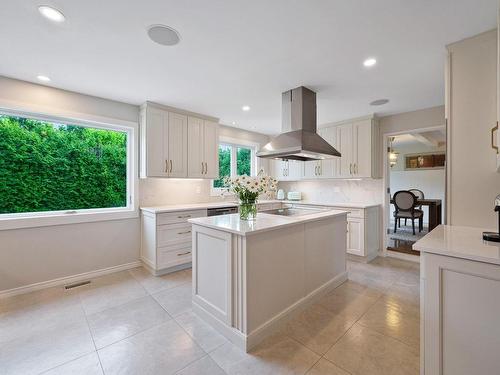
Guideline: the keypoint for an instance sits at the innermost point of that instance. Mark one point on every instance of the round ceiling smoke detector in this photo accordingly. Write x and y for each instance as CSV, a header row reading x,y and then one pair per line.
x,y
380,102
164,35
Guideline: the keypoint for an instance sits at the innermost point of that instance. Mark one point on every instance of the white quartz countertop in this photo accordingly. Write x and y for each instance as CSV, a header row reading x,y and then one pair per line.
x,y
264,222
200,206
460,242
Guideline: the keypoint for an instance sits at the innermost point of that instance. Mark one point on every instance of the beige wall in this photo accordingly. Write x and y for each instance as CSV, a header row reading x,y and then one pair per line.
x,y
423,118
474,182
35,255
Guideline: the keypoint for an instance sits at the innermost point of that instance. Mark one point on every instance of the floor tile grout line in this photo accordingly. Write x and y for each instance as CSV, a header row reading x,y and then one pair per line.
x,y
385,335
93,340
335,364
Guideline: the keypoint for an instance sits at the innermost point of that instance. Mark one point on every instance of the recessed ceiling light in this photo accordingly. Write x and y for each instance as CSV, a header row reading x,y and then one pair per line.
x,y
164,35
369,62
380,102
51,13
43,78
234,123
246,108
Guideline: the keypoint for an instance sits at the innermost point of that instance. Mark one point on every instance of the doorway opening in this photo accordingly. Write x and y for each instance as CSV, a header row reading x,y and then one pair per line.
x,y
415,183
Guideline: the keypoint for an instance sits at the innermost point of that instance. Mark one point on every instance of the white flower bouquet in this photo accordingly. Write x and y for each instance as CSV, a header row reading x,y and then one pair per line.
x,y
248,190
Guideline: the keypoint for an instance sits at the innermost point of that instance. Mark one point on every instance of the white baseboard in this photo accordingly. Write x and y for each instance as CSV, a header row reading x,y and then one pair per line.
x,y
67,279
247,342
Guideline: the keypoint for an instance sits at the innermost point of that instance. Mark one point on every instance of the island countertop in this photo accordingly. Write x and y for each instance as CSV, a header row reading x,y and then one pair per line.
x,y
460,242
264,222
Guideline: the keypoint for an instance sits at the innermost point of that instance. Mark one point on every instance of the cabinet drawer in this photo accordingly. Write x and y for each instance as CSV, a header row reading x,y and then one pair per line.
x,y
172,234
352,212
178,216
173,256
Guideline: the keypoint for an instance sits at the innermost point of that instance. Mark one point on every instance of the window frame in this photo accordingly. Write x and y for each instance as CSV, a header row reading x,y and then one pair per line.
x,y
63,217
234,144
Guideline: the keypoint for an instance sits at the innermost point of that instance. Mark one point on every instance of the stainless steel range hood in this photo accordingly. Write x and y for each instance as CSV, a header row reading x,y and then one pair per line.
x,y
299,140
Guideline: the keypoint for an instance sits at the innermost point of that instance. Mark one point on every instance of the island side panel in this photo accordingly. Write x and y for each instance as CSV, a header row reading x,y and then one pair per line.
x,y
212,262
275,273
325,256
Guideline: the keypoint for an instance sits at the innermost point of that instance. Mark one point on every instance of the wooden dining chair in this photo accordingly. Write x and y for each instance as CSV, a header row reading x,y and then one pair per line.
x,y
420,195
405,203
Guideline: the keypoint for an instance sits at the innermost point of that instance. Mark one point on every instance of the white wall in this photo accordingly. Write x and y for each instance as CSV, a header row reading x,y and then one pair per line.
x,y
431,182
35,255
473,179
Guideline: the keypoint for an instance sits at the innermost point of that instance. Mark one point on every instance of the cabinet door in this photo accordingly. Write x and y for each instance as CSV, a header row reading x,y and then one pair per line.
x,y
362,148
345,143
195,147
355,236
294,170
177,145
211,149
327,166
156,143
311,169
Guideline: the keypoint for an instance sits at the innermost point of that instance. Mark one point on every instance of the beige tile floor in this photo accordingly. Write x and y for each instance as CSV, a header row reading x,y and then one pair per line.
x,y
132,323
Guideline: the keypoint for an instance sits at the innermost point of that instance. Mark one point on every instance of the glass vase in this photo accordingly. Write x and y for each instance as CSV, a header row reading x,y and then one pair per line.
x,y
248,210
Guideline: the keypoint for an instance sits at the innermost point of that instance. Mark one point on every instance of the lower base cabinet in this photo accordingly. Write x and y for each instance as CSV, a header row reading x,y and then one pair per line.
x,y
460,312
166,240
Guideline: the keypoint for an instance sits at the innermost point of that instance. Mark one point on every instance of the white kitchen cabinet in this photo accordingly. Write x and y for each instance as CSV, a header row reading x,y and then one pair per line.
x,y
286,170
312,169
358,142
177,137
173,144
163,143
355,236
203,138
496,131
166,240
461,306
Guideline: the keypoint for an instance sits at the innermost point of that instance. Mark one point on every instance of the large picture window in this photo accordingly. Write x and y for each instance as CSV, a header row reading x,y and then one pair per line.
x,y
48,166
234,160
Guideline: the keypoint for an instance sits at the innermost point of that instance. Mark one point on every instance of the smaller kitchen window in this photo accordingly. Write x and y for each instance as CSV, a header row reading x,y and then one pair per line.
x,y
235,159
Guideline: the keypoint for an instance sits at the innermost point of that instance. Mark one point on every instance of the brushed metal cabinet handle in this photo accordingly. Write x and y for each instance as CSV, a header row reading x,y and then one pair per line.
x,y
493,130
166,166
171,165
183,216
350,168
186,232
186,253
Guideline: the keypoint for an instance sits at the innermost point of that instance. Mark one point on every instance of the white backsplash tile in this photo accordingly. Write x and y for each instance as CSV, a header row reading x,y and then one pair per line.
x,y
338,191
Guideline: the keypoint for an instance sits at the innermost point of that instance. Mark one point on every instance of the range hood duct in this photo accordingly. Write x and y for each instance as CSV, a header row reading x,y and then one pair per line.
x,y
299,140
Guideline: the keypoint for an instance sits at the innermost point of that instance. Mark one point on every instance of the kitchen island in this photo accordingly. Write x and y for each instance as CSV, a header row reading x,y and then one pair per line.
x,y
249,277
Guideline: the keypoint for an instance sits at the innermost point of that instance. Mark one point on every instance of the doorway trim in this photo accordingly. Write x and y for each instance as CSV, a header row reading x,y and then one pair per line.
x,y
386,201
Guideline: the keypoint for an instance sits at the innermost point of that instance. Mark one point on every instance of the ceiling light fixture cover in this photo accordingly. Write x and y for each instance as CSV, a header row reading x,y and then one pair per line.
x,y
380,102
245,108
369,62
164,35
51,13
43,78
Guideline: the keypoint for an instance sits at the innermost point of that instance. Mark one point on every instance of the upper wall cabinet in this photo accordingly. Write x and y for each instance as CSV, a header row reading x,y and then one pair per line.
x,y
203,138
177,145
286,170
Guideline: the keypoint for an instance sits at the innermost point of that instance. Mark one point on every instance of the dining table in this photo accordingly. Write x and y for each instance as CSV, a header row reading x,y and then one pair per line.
x,y
435,210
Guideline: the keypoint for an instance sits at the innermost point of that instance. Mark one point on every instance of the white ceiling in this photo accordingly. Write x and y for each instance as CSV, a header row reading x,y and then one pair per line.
x,y
236,52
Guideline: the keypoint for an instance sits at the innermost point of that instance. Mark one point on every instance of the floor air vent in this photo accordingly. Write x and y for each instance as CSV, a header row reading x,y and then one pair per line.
x,y
76,285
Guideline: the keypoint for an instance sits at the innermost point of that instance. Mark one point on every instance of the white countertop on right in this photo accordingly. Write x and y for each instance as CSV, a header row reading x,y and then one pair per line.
x,y
460,242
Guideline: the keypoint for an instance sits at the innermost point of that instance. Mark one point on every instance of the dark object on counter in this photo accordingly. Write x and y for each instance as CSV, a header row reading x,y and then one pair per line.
x,y
492,236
